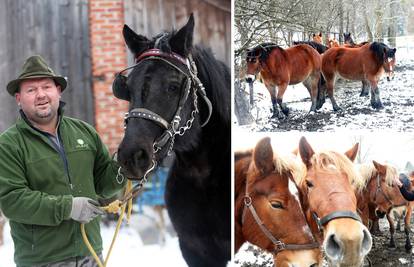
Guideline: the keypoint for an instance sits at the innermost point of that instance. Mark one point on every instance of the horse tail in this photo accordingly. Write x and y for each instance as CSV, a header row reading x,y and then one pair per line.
x,y
379,50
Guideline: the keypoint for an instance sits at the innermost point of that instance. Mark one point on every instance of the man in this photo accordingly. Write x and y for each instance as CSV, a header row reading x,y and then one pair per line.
x,y
404,184
52,170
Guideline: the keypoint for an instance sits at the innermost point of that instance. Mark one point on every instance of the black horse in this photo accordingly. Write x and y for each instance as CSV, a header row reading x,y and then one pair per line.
x,y
169,89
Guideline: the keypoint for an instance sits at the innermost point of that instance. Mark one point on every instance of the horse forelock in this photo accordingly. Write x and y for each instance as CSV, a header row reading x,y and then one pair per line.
x,y
367,171
390,174
291,164
327,160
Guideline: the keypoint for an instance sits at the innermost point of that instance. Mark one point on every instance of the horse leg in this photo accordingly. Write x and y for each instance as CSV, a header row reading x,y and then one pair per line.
x,y
407,222
320,100
161,224
280,92
2,222
365,88
272,92
375,96
392,230
330,88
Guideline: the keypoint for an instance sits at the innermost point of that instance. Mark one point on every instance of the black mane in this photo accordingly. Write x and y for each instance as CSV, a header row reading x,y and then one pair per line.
x,y
317,46
378,49
263,50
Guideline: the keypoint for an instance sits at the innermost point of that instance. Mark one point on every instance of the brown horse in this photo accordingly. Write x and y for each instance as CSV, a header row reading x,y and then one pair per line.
x,y
328,195
366,64
333,43
280,67
317,38
380,195
267,208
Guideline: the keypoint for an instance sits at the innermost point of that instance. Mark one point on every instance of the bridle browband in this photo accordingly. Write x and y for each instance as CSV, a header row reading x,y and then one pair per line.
x,y
278,244
187,67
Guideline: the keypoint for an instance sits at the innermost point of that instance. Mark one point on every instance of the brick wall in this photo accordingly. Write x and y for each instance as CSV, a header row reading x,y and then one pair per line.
x,y
108,56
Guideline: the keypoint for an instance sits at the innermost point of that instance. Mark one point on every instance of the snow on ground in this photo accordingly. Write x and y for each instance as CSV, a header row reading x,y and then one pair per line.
x,y
397,97
129,247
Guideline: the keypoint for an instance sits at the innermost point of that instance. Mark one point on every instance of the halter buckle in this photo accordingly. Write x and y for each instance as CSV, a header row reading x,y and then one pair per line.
x,y
279,246
247,201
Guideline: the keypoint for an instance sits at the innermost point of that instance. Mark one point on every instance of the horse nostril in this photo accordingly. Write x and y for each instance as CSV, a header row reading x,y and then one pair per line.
x,y
333,248
366,242
314,265
249,80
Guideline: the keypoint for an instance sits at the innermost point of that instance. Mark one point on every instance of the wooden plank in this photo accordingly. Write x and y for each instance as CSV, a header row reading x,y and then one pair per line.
x,y
59,31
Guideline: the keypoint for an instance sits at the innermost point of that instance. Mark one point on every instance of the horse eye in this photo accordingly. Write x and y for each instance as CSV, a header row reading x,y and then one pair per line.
x,y
309,183
276,204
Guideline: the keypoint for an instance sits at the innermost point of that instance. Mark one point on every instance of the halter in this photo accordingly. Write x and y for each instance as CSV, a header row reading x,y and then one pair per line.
x,y
321,222
379,189
187,67
278,244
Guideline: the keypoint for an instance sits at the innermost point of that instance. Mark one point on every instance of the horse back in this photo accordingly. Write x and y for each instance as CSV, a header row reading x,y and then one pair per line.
x,y
304,61
350,63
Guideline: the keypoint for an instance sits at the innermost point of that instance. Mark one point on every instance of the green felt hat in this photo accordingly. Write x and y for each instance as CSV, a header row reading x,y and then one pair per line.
x,y
35,67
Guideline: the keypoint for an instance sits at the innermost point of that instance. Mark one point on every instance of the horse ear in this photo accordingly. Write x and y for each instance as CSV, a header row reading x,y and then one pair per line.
x,y
352,153
306,152
182,41
263,156
135,42
380,168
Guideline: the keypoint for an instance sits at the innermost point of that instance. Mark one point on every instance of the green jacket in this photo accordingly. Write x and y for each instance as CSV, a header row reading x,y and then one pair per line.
x,y
36,189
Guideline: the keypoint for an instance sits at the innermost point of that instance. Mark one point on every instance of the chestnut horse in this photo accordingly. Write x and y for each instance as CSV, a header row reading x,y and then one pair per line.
x,y
366,64
267,208
317,38
380,195
280,67
328,195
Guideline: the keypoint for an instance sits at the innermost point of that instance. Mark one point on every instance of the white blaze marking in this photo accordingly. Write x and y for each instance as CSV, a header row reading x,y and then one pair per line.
x,y
294,191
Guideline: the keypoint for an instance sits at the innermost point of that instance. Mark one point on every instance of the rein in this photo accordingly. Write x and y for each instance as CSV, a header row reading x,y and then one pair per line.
x,y
278,244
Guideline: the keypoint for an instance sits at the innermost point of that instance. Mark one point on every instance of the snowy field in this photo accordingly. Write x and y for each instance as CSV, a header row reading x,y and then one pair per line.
x,y
129,249
397,97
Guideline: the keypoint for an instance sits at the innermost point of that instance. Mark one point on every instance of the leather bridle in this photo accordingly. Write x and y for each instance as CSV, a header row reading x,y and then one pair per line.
x,y
278,244
321,222
379,189
187,67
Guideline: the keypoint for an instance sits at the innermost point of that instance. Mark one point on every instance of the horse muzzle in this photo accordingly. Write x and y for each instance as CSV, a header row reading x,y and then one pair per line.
x,y
250,78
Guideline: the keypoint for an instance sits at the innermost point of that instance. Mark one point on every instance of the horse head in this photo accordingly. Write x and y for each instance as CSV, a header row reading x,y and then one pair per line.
x,y
268,211
383,193
253,57
329,199
162,89
317,38
348,39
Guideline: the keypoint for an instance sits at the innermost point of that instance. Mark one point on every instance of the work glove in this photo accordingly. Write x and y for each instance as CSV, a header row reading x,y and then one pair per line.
x,y
405,181
85,209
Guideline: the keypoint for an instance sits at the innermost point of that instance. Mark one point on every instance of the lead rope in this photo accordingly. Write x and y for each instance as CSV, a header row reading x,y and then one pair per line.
x,y
113,207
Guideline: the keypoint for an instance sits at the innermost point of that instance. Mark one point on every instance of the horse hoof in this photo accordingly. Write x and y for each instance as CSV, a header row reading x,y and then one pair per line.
x,y
408,247
337,109
285,111
377,105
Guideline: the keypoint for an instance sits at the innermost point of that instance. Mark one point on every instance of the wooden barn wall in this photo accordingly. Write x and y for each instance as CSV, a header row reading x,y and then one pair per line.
x,y
212,20
57,30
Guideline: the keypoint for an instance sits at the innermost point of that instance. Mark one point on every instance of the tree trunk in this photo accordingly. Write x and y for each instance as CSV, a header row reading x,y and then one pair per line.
x,y
341,22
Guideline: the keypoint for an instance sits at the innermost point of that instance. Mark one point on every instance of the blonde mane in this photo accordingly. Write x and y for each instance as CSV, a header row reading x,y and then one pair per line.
x,y
327,159
292,164
368,170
